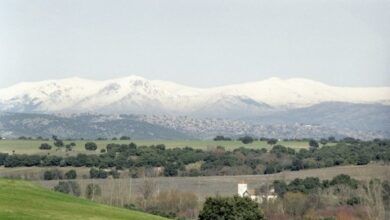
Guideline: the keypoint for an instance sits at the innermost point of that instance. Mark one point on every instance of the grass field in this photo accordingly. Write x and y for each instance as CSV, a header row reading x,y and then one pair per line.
x,y
32,146
21,200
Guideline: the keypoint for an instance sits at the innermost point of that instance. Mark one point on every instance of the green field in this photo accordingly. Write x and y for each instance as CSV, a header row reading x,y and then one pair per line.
x,y
31,146
21,200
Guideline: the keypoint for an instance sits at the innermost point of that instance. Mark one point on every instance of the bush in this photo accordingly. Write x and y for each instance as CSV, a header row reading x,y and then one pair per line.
x,y
71,174
90,146
45,146
230,208
52,174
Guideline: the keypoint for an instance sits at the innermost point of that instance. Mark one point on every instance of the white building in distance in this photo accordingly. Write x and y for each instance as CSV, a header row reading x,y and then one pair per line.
x,y
242,190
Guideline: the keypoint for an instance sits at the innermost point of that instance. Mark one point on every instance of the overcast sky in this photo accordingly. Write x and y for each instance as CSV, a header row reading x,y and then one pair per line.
x,y
200,43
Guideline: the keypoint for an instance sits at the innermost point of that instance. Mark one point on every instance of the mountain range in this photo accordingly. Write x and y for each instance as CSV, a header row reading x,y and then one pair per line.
x,y
137,95
142,108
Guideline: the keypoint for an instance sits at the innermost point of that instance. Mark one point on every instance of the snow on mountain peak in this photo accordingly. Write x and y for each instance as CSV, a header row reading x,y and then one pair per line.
x,y
135,94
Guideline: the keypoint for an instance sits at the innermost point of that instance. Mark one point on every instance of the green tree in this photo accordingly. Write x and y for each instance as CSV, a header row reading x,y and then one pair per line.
x,y
246,139
68,187
272,141
313,144
90,146
236,207
45,146
71,174
124,138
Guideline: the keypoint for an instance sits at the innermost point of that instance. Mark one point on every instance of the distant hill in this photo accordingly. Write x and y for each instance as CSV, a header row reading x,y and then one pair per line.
x,y
373,118
25,200
83,126
363,121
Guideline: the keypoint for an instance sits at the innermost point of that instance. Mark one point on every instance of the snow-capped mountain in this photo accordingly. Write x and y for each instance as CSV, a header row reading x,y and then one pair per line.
x,y
135,94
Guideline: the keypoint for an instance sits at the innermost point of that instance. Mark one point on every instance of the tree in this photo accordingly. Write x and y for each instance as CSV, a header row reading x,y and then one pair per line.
x,y
71,174
246,139
295,204
97,173
45,146
272,141
147,189
344,179
124,138
52,174
230,208
170,170
221,138
58,142
68,187
90,146
92,191
313,144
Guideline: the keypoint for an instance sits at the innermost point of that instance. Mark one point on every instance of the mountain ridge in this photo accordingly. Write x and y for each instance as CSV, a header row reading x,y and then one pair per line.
x,y
135,94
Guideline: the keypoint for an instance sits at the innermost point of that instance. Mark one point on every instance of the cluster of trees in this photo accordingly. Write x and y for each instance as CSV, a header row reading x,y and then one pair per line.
x,y
179,161
247,139
170,204
55,174
72,187
221,138
313,184
58,143
339,198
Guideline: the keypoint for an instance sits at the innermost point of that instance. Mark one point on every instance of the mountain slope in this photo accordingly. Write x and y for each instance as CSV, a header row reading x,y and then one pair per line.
x,y
83,126
356,120
137,95
24,200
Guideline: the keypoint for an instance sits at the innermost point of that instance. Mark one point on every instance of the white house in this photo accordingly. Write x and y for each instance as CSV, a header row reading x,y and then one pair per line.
x,y
242,190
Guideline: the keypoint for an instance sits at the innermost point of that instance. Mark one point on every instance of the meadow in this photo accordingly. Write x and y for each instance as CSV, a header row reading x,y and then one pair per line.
x,y
32,146
27,201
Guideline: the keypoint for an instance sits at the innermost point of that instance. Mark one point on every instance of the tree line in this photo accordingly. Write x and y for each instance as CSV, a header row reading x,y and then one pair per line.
x,y
195,162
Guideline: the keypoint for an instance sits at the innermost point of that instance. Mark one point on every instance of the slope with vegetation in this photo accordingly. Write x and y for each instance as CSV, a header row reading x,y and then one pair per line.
x,y
24,200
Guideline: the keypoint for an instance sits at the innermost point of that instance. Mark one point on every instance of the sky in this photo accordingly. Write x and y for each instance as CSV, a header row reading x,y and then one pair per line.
x,y
200,43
